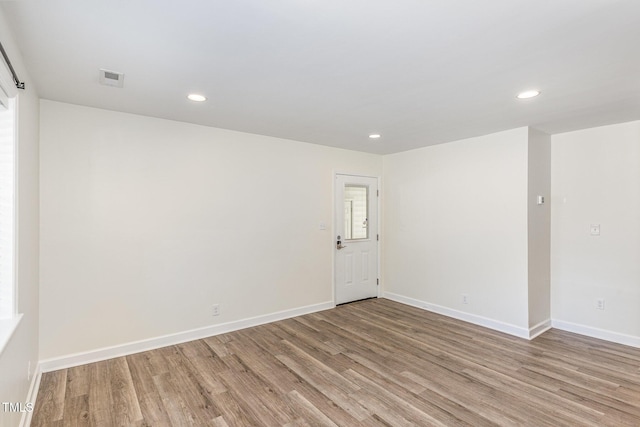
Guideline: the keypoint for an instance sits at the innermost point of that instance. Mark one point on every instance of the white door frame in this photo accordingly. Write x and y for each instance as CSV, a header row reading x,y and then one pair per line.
x,y
334,231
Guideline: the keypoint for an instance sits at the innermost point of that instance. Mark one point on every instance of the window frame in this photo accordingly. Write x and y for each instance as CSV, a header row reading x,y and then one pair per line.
x,y
9,98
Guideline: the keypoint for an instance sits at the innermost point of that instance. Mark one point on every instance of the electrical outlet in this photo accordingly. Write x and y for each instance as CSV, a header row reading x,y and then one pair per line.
x,y
215,310
465,299
600,303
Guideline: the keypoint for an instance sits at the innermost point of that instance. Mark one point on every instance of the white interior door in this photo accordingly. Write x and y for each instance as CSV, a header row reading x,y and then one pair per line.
x,y
356,240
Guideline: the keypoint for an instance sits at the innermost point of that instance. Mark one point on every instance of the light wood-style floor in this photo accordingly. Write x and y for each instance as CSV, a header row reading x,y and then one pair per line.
x,y
371,363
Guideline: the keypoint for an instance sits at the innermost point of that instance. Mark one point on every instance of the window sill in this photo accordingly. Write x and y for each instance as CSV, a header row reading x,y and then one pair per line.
x,y
7,328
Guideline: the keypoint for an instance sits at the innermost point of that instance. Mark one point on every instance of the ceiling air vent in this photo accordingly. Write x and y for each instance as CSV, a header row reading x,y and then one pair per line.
x,y
111,78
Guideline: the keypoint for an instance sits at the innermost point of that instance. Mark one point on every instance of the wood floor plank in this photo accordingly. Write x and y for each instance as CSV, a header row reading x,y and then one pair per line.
x,y
234,412
100,401
397,403
481,400
433,410
76,411
267,343
566,413
183,379
217,344
175,404
219,422
246,387
308,410
143,367
77,381
125,407
205,367
318,381
374,363
51,398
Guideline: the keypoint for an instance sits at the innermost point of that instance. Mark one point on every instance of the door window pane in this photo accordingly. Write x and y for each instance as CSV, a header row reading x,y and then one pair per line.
x,y
356,206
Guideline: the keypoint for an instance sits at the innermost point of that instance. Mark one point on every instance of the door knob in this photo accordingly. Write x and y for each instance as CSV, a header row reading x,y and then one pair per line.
x,y
339,244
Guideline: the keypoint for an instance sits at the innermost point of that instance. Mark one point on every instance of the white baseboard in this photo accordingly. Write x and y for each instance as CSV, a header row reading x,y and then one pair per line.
x,y
25,421
539,329
603,334
472,318
98,355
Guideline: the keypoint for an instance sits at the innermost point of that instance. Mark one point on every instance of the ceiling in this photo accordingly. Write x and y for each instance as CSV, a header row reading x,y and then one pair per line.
x,y
331,72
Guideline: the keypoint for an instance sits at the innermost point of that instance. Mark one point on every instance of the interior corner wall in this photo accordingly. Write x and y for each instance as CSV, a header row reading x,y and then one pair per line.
x,y
595,180
146,223
22,349
539,219
455,222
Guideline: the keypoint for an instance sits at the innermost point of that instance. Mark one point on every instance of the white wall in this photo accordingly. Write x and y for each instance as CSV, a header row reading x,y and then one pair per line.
x,y
539,227
595,177
23,346
147,222
455,222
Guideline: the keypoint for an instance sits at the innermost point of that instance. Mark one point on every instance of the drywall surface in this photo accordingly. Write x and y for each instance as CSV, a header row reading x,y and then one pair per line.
x,y
455,222
595,180
23,346
539,238
146,223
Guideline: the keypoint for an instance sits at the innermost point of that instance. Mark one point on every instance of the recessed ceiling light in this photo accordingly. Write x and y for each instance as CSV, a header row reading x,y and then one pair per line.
x,y
528,94
196,97
374,136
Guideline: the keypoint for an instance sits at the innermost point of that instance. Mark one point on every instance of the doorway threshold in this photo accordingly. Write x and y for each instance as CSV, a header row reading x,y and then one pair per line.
x,y
358,300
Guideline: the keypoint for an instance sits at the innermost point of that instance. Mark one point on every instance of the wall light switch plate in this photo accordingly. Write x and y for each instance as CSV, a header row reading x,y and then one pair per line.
x,y
541,200
595,229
